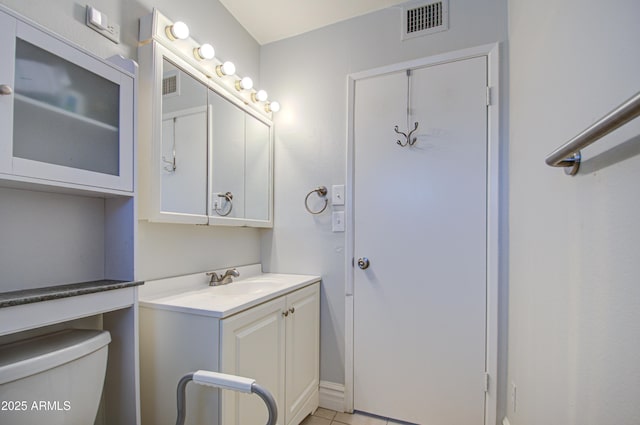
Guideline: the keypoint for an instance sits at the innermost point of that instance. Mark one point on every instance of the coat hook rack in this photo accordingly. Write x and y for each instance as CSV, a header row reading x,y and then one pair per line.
x,y
409,141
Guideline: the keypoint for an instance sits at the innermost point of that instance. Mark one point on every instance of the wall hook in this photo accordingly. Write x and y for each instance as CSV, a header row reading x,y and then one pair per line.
x,y
409,140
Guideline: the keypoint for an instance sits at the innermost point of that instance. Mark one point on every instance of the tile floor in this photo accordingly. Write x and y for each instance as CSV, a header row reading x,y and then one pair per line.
x,y
329,417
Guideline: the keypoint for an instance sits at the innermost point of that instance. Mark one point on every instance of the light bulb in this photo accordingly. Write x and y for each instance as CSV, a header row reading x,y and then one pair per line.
x,y
272,106
204,52
259,96
244,84
227,68
178,31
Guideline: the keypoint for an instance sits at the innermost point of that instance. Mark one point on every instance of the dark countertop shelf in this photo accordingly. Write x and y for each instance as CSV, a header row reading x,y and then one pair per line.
x,y
28,296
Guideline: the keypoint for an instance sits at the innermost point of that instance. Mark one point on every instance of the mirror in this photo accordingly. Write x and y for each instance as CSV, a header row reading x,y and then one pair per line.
x,y
184,142
241,162
257,169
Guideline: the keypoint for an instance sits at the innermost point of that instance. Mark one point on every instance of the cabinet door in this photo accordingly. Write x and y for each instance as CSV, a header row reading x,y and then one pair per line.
x,y
7,53
257,169
184,144
227,158
303,348
253,346
72,115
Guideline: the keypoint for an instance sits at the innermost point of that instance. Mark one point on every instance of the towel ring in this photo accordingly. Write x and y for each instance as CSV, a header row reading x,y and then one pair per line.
x,y
322,193
229,201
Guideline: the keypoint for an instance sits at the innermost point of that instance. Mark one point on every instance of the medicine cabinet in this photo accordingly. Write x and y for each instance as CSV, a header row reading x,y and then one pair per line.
x,y
66,117
206,155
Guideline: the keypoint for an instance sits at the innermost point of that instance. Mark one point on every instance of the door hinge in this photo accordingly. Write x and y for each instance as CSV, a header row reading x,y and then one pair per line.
x,y
486,382
488,96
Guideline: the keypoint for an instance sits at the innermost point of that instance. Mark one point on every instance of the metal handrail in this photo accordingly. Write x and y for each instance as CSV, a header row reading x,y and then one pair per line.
x,y
568,155
225,382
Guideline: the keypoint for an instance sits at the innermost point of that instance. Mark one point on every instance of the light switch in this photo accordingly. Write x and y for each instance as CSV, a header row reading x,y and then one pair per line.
x,y
337,194
97,18
337,221
98,21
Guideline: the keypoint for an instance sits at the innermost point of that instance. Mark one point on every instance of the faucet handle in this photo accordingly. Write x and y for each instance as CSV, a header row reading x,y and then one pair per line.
x,y
214,278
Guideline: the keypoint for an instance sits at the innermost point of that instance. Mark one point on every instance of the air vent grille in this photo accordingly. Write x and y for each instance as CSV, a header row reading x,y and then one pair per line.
x,y
425,18
170,84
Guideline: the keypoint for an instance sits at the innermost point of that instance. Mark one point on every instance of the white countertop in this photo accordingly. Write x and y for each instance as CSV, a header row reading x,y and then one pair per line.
x,y
192,293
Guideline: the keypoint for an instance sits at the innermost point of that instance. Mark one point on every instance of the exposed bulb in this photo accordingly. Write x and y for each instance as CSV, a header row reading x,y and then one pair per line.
x,y
205,52
244,84
178,31
272,106
259,96
227,68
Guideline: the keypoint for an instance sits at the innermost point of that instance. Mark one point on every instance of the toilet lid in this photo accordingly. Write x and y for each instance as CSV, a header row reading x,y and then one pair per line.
x,y
30,356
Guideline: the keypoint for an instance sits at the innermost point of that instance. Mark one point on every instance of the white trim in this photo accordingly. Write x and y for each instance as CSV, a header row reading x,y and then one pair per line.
x,y
491,51
332,396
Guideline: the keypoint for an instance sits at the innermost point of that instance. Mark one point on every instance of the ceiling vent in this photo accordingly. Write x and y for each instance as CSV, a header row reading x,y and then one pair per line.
x,y
171,83
425,18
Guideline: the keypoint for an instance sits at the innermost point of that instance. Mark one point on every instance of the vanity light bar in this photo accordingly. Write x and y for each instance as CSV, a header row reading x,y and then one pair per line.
x,y
179,32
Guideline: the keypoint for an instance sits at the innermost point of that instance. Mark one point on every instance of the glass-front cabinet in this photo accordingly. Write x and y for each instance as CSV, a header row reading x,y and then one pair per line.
x,y
66,116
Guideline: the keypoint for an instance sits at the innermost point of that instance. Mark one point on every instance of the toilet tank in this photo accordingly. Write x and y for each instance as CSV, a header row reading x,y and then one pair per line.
x,y
53,379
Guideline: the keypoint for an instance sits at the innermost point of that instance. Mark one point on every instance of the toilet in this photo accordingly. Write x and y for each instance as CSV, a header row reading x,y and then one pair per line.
x,y
53,379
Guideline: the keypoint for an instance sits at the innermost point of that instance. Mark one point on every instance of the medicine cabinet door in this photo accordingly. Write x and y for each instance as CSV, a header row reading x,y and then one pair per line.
x,y
71,116
227,197
185,117
257,171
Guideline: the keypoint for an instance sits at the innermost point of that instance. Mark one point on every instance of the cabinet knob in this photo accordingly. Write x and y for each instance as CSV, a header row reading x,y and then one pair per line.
x,y
5,90
292,310
285,313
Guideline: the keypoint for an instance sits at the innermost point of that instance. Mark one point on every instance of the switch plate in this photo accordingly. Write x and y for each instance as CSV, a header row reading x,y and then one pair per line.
x,y
98,21
337,221
337,194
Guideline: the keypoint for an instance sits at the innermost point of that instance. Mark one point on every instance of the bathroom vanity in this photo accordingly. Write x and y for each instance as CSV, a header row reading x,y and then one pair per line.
x,y
263,326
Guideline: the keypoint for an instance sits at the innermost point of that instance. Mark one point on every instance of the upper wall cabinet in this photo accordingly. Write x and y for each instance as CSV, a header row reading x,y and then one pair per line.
x,y
206,144
66,116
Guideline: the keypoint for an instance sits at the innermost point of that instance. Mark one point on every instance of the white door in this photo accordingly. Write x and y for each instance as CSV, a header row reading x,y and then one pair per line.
x,y
420,219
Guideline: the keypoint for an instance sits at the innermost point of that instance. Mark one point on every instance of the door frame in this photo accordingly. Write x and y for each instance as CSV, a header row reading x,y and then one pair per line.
x,y
491,52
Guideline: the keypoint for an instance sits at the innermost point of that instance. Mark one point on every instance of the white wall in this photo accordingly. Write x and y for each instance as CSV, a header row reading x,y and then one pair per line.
x,y
308,75
163,250
574,304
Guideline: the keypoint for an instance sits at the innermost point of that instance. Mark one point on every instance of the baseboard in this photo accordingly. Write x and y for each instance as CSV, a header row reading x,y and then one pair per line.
x,y
505,421
332,396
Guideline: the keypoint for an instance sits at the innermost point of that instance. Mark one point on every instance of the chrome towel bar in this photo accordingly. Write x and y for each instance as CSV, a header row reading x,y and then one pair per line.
x,y
568,155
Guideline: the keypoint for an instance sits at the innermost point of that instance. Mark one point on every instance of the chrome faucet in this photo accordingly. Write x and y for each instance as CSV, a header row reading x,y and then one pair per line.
x,y
226,278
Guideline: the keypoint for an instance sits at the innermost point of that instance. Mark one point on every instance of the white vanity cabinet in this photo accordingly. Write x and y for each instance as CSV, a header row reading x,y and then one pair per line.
x,y
66,116
277,344
272,339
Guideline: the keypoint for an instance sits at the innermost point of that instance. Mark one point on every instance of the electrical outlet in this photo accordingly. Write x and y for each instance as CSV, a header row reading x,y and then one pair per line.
x,y
98,21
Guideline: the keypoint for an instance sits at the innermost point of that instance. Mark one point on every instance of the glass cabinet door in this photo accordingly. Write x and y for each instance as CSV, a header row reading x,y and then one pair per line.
x,y
72,114
63,114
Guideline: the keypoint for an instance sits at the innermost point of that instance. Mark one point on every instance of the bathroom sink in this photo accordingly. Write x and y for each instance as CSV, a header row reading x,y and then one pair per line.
x,y
243,287
191,293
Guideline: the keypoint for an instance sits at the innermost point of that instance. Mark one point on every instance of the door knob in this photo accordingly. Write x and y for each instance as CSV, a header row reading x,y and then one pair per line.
x,y
5,90
363,263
